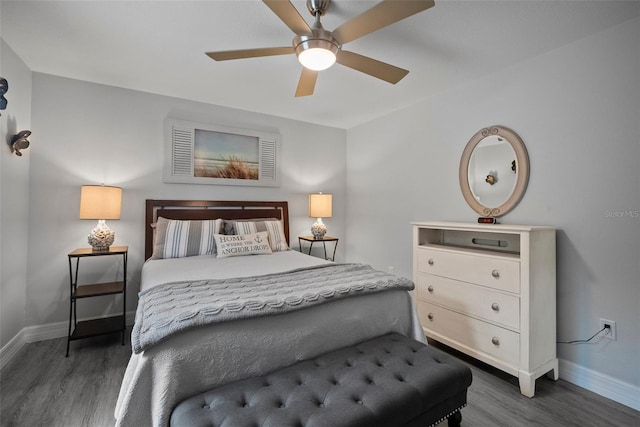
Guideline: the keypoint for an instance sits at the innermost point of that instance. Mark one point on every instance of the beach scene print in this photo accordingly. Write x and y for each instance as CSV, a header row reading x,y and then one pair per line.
x,y
225,155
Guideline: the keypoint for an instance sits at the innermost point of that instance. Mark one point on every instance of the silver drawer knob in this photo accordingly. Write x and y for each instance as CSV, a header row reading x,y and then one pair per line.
x,y
430,289
430,262
495,341
495,273
430,316
495,306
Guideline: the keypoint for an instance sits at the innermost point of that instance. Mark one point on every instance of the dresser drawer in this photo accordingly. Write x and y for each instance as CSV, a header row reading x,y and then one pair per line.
x,y
495,272
481,336
478,301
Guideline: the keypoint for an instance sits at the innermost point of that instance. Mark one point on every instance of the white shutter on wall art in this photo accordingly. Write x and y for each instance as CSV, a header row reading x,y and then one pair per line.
x,y
184,162
182,152
268,160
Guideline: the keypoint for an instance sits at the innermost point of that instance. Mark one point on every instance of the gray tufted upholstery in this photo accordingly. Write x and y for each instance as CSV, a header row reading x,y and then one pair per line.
x,y
388,381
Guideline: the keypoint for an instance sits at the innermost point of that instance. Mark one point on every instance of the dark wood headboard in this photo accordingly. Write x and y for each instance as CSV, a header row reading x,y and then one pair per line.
x,y
210,209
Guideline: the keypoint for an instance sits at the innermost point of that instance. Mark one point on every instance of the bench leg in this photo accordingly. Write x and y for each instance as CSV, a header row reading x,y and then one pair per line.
x,y
455,419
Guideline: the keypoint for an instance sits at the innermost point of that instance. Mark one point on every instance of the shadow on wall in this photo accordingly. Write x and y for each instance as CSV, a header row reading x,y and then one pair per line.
x,y
573,294
11,130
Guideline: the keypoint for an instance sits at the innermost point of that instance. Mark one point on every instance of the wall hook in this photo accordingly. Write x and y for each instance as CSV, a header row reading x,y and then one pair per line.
x,y
20,141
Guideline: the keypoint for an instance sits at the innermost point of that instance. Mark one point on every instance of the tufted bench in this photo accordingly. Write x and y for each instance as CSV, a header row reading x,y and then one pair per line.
x,y
389,381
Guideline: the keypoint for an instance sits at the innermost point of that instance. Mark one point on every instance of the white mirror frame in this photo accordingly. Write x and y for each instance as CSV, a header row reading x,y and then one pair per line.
x,y
522,165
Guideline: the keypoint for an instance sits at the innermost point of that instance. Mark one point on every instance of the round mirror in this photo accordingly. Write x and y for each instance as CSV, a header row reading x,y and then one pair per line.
x,y
494,171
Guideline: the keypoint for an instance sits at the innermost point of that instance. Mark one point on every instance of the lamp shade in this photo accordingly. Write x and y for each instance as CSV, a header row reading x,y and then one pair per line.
x,y
317,58
320,205
100,202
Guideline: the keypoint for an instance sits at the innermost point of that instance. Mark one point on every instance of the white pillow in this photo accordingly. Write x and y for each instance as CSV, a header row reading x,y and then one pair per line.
x,y
239,245
277,238
177,239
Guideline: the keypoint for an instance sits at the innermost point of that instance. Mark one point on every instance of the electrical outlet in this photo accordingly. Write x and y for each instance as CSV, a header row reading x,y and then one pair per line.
x,y
611,334
391,269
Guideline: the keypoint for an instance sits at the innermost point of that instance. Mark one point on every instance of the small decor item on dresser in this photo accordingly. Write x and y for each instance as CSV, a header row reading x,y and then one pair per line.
x,y
100,202
319,207
487,220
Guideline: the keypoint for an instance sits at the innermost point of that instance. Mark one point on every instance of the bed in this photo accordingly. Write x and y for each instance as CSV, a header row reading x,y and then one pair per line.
x,y
187,362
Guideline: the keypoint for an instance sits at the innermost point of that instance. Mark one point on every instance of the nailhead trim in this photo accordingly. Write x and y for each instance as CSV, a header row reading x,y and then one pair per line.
x,y
447,416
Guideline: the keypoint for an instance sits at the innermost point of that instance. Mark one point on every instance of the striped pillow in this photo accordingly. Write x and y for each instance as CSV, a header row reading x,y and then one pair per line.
x,y
178,239
277,238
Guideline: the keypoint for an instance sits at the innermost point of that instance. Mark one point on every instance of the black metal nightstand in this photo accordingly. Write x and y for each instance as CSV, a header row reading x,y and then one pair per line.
x,y
102,326
324,240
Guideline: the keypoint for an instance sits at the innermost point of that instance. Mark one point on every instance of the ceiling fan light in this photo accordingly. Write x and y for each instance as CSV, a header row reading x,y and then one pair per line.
x,y
317,52
317,58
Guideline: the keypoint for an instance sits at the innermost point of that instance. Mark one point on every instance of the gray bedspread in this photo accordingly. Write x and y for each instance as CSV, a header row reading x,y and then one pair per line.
x,y
171,308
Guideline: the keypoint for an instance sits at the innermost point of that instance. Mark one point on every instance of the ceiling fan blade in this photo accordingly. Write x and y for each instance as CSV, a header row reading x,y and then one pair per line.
x,y
373,67
307,82
249,53
289,15
384,13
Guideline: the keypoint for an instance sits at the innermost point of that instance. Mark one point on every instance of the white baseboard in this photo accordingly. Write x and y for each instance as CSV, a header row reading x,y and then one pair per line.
x,y
602,384
44,332
12,348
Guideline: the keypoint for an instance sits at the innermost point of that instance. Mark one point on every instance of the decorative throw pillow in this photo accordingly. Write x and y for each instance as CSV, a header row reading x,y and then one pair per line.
x,y
239,245
277,238
227,224
178,239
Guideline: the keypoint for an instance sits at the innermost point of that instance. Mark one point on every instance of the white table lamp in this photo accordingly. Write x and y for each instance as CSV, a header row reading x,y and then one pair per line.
x,y
100,202
319,207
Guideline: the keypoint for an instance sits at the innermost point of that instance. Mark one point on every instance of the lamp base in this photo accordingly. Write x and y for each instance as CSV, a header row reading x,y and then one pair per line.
x,y
101,237
318,229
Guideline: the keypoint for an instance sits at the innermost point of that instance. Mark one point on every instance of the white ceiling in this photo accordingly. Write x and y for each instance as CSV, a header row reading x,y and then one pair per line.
x,y
158,47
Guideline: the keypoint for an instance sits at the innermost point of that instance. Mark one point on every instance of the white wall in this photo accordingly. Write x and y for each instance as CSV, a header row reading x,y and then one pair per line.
x,y
577,110
14,194
92,134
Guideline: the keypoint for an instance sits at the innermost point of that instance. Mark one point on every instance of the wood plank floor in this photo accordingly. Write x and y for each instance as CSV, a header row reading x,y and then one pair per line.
x,y
41,387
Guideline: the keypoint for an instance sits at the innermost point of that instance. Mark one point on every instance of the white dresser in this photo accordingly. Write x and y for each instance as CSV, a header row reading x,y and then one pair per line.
x,y
490,292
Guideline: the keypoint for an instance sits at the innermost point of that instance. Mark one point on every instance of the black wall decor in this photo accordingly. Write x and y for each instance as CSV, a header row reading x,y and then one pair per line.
x,y
4,87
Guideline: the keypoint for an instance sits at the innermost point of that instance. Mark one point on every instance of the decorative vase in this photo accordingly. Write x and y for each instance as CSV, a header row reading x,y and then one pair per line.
x,y
101,237
318,229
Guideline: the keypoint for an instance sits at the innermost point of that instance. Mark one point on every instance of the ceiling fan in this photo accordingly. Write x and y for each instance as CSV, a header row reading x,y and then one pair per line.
x,y
317,49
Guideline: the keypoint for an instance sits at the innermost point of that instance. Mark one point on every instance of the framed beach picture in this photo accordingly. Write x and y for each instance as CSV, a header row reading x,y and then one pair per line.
x,y
201,153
